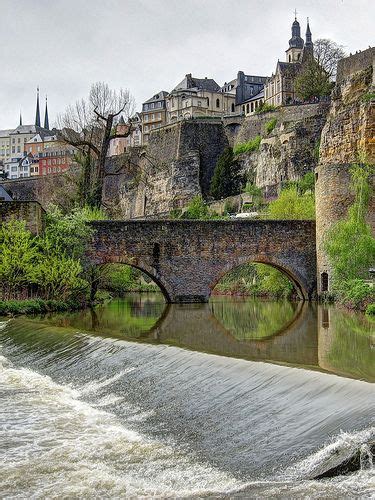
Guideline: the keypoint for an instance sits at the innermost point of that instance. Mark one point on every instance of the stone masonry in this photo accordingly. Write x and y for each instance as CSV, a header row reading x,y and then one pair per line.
x,y
349,132
31,212
187,258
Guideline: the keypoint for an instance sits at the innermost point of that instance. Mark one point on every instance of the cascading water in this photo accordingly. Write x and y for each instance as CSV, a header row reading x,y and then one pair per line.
x,y
85,415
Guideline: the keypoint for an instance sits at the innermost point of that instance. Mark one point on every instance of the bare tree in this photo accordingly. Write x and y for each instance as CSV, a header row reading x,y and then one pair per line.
x,y
327,54
316,78
89,126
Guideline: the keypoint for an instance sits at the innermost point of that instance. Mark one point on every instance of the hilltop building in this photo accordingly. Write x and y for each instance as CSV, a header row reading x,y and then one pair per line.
x,y
154,114
15,143
279,88
194,97
135,138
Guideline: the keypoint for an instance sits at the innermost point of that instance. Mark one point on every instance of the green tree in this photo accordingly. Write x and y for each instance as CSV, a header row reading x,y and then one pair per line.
x,y
197,209
58,276
227,180
292,205
19,254
318,72
313,81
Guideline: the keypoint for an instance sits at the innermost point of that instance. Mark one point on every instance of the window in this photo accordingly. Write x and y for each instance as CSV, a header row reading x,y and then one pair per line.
x,y
252,107
324,282
218,103
208,102
233,107
247,108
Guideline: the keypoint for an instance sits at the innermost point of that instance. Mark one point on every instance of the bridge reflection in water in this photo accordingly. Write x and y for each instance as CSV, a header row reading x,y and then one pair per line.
x,y
297,334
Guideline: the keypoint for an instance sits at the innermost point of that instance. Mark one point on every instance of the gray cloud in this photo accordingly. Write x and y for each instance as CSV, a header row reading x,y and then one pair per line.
x,y
149,45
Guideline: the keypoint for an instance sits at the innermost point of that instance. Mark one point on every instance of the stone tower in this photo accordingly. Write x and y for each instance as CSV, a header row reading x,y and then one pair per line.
x,y
296,43
350,129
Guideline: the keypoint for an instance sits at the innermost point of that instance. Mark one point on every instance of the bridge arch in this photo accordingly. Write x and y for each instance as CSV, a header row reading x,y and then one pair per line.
x,y
298,281
146,269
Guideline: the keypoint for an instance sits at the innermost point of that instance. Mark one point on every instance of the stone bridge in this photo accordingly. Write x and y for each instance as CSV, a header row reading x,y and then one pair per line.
x,y
188,258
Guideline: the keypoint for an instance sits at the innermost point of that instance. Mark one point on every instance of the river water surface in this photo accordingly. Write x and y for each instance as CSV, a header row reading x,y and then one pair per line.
x,y
235,397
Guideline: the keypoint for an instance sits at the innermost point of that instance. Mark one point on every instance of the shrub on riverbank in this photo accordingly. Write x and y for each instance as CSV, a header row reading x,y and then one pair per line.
x,y
49,266
36,306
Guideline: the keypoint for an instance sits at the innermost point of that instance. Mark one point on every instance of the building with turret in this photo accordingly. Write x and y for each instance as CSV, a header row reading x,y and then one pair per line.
x,y
279,88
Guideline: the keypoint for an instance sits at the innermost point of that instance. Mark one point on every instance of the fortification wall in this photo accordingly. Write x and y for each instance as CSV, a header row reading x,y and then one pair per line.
x,y
354,63
29,211
177,165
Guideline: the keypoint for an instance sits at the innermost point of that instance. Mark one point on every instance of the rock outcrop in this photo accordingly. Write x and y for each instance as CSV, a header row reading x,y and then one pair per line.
x,y
288,151
348,137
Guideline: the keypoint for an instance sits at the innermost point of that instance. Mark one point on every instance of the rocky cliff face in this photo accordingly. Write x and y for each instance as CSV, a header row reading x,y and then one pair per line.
x,y
348,135
179,161
177,165
288,151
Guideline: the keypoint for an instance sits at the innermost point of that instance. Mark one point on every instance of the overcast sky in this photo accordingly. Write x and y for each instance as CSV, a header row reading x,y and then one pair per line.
x,y
149,45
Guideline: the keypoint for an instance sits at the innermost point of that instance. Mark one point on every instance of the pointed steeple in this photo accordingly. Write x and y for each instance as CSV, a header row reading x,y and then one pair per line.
x,y
46,122
308,35
20,118
37,113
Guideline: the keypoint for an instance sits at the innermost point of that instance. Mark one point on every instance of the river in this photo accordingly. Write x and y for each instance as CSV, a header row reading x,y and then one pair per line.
x,y
237,397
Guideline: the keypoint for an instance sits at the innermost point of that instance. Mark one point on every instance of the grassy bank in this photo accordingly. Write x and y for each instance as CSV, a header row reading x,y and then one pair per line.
x,y
37,306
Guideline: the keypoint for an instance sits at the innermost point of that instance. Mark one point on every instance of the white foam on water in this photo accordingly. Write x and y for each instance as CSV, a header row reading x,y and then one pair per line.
x,y
340,449
60,446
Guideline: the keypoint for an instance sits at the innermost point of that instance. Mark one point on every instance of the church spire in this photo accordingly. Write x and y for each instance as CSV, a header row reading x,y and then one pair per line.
x,y
37,113
46,121
308,35
20,118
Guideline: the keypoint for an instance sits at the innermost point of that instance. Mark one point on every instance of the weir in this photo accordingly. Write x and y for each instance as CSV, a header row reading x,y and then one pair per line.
x,y
188,258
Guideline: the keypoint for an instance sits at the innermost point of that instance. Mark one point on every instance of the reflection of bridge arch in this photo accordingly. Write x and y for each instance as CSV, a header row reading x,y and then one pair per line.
x,y
187,258
196,327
